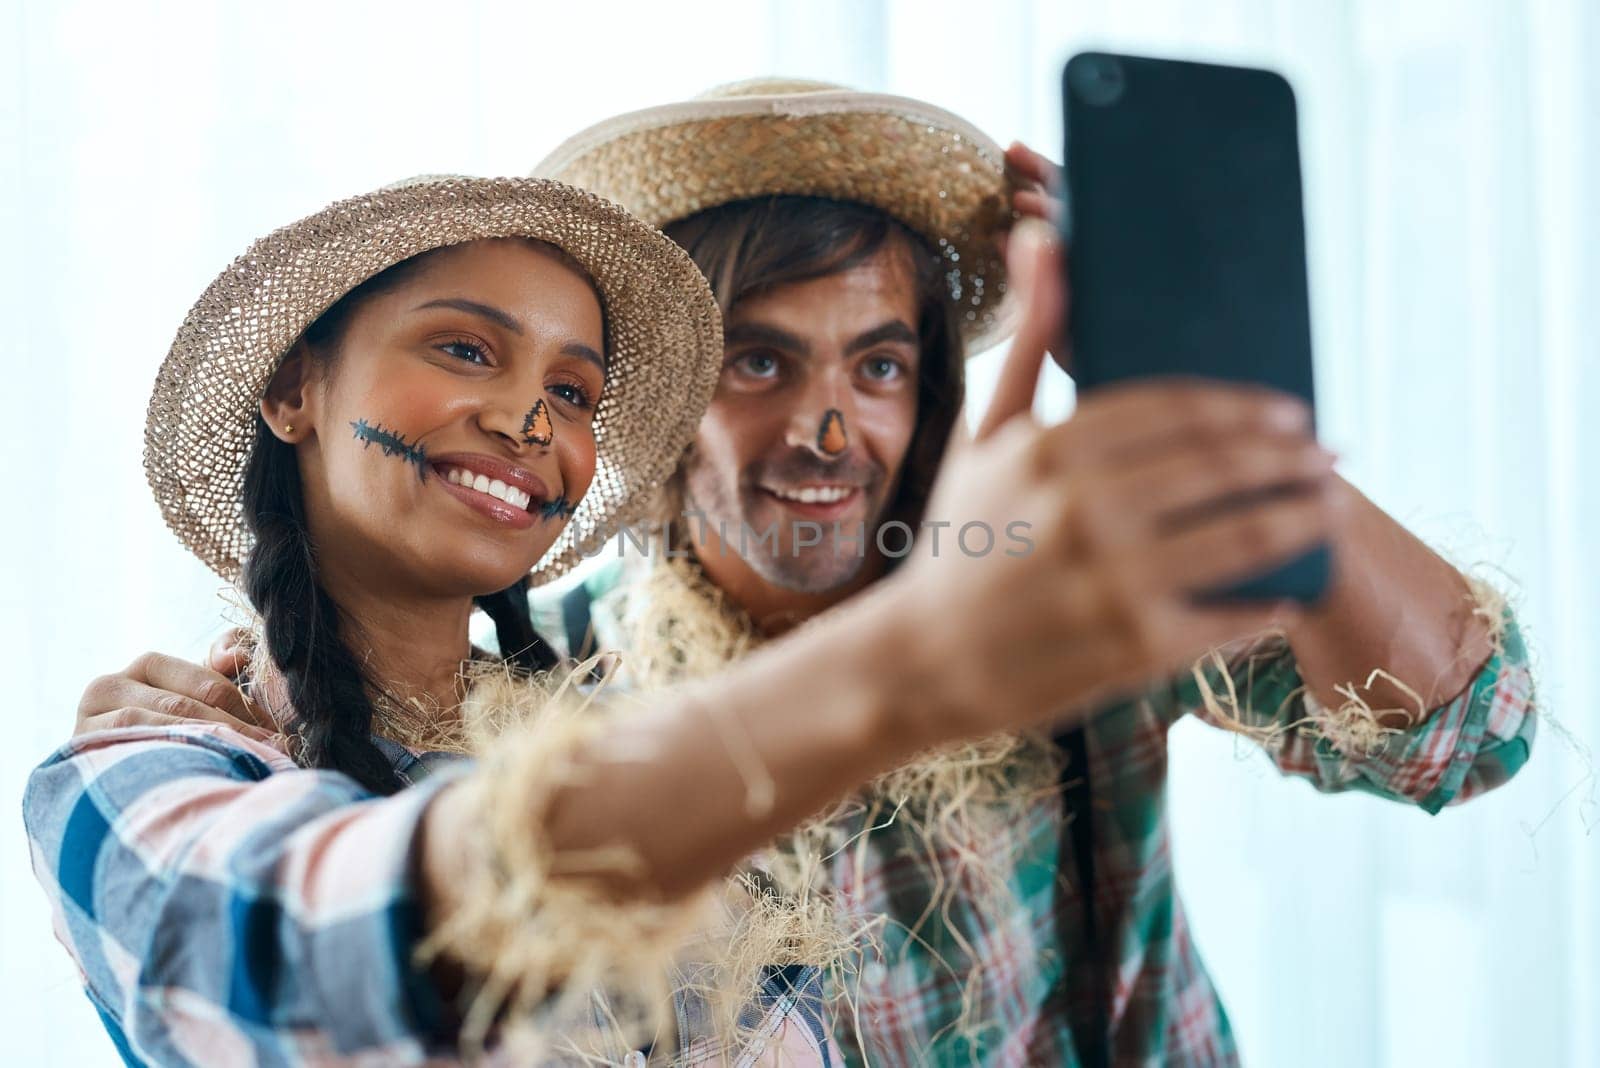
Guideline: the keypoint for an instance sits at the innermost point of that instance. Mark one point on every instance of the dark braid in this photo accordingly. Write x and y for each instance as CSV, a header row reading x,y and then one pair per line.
x,y
327,688
520,644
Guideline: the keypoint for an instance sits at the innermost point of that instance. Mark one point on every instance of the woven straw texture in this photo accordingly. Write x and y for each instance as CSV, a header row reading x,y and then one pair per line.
x,y
665,330
926,167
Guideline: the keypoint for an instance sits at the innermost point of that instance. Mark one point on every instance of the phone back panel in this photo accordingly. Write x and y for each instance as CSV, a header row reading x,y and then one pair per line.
x,y
1186,235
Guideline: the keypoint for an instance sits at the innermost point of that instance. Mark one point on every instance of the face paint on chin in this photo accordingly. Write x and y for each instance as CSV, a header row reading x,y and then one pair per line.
x,y
392,444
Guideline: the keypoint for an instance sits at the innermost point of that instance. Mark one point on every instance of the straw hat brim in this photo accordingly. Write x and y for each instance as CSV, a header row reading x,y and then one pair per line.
x,y
664,327
926,167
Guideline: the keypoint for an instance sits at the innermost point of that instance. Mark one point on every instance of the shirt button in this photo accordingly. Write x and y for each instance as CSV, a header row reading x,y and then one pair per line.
x,y
873,973
634,1059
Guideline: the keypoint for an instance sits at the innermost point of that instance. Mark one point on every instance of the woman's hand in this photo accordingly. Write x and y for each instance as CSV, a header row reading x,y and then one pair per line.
x,y
1115,503
160,691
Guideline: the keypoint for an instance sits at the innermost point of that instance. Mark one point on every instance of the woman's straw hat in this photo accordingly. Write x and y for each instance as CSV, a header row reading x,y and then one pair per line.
x,y
931,170
664,328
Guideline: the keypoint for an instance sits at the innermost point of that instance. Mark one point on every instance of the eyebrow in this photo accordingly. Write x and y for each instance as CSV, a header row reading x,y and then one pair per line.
x,y
894,330
746,333
584,352
500,318
472,307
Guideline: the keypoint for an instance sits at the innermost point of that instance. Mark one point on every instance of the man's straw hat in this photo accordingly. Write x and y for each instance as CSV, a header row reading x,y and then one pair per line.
x,y
931,170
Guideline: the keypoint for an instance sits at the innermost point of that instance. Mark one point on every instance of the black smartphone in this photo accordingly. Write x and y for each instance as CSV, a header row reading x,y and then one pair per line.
x,y
1185,239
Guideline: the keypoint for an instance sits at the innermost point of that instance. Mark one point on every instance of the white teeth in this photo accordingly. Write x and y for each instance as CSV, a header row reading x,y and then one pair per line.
x,y
513,496
815,494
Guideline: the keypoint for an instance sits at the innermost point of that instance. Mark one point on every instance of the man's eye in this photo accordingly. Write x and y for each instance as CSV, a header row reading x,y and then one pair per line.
x,y
758,364
465,350
883,368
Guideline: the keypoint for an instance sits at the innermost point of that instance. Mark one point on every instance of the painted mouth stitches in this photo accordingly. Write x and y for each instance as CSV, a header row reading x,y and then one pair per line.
x,y
392,444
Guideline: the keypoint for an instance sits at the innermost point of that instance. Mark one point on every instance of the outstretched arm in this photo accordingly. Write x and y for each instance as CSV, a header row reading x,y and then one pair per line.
x,y
1397,614
1457,747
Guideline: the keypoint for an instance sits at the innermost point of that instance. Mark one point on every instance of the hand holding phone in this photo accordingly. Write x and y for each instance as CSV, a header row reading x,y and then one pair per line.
x,y
1186,244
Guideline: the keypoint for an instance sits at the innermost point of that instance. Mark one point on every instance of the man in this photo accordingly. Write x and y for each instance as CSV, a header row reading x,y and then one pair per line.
x,y
852,243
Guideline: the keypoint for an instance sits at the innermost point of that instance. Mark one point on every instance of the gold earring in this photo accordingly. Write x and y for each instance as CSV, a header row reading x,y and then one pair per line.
x,y
288,428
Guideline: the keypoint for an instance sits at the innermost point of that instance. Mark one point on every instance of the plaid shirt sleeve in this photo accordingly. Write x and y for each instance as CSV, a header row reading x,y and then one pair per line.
x,y
227,907
1464,748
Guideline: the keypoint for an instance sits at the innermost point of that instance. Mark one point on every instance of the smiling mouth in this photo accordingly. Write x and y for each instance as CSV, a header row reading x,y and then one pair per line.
x,y
818,494
492,487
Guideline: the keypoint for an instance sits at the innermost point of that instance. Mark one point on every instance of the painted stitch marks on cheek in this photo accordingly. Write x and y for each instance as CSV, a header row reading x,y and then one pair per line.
x,y
536,426
392,444
560,508
831,437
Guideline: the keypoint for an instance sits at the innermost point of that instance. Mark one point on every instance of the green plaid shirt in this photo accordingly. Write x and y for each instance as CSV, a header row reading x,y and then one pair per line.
x,y
1030,975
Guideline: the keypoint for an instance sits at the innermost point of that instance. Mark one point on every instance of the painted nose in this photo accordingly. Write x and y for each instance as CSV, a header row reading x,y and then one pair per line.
x,y
824,431
520,428
537,429
825,419
832,436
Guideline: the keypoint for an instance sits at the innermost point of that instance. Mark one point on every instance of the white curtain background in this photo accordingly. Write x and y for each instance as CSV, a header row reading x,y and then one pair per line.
x,y
1452,153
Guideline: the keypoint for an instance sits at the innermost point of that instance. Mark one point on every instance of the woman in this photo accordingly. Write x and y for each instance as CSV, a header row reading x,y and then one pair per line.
x,y
377,418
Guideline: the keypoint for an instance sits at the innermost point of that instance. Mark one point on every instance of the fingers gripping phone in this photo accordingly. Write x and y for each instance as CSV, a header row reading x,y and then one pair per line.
x,y
1185,239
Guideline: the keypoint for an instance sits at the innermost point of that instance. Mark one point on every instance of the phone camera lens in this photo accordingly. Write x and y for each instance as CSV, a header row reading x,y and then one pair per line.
x,y
1098,80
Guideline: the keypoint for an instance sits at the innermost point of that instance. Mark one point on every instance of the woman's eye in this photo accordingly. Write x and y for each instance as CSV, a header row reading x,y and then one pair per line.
x,y
465,350
572,394
883,369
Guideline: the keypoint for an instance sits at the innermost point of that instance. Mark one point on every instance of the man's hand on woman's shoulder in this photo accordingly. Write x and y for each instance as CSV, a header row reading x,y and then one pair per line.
x,y
158,690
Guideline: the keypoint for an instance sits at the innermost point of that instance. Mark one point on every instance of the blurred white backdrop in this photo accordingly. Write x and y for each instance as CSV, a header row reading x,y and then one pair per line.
x,y
1452,153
